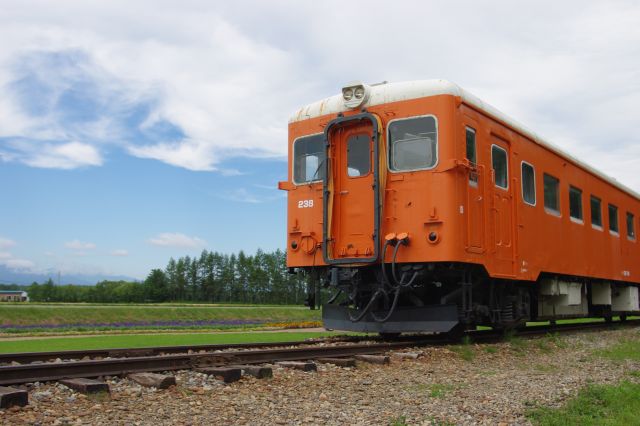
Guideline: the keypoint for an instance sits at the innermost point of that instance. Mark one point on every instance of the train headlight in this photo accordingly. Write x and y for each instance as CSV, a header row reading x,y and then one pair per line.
x,y
347,94
355,94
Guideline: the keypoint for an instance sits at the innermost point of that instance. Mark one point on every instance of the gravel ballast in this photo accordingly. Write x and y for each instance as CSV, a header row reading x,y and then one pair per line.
x,y
466,384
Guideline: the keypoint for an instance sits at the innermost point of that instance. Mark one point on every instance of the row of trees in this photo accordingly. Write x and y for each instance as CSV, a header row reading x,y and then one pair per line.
x,y
212,277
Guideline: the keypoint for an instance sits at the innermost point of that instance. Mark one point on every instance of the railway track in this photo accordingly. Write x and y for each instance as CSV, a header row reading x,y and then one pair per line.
x,y
123,360
221,359
30,357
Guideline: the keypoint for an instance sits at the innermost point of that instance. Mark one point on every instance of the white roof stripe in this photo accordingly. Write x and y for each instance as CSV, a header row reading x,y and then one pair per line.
x,y
394,92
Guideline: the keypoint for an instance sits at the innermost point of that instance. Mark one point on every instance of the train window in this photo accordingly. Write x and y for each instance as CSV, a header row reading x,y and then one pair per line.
x,y
471,145
596,212
528,184
413,144
471,154
551,195
631,226
575,203
613,219
358,155
499,164
308,159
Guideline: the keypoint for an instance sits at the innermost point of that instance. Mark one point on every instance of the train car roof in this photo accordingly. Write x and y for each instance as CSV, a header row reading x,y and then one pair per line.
x,y
401,91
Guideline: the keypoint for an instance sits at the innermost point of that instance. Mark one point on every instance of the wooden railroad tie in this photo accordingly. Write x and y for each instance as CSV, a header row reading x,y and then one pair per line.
x,y
299,365
407,355
340,362
86,386
12,396
373,359
256,371
227,374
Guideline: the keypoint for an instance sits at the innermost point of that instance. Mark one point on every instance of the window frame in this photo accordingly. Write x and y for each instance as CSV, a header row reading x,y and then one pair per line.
x,y
535,194
473,175
599,227
611,231
293,160
574,219
469,129
633,223
369,151
506,155
437,160
548,210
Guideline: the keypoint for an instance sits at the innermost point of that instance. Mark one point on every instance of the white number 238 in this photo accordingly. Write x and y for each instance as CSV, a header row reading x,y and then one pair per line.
x,y
304,204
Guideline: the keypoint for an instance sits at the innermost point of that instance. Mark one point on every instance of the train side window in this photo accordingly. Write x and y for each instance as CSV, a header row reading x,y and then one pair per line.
x,y
551,194
596,212
470,138
575,203
471,145
631,226
308,159
613,219
499,164
528,184
413,144
358,155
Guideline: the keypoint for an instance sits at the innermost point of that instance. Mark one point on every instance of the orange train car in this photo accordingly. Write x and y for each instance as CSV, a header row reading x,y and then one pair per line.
x,y
425,209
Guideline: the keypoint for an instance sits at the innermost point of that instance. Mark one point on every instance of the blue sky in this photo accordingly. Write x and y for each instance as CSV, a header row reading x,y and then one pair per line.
x,y
126,140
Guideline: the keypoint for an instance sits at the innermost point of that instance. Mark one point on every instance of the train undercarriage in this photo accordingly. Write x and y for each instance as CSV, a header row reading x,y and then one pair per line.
x,y
449,297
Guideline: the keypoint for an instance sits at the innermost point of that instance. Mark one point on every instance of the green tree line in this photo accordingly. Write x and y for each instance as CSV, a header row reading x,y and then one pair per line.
x,y
212,278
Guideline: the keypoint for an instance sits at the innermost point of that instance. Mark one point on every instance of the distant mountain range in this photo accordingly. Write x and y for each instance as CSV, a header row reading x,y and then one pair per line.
x,y
8,276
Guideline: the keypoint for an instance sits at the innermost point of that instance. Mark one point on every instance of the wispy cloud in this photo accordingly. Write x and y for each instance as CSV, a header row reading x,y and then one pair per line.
x,y
7,259
79,245
18,264
242,195
176,239
63,156
119,253
6,243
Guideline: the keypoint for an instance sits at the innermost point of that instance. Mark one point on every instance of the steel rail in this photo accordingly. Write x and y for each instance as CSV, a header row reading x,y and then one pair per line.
x,y
15,374
27,357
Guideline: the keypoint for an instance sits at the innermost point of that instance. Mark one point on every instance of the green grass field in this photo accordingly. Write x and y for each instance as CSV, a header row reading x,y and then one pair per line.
x,y
57,314
141,341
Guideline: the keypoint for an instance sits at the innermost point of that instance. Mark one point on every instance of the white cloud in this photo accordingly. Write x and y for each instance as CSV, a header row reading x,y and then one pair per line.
x,y
169,239
19,264
7,259
242,195
120,253
6,243
79,245
191,155
65,156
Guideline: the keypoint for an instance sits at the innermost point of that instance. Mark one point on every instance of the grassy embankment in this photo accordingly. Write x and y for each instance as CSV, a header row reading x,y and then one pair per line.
x,y
140,340
60,318
601,404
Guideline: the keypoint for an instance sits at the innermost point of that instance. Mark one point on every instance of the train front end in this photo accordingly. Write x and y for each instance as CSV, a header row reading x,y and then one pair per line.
x,y
370,190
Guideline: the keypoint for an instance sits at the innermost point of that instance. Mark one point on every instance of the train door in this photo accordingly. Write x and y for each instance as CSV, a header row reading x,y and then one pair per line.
x,y
350,222
502,207
474,191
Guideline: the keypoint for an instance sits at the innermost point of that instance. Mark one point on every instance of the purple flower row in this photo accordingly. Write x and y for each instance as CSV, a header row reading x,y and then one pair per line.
x,y
134,324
